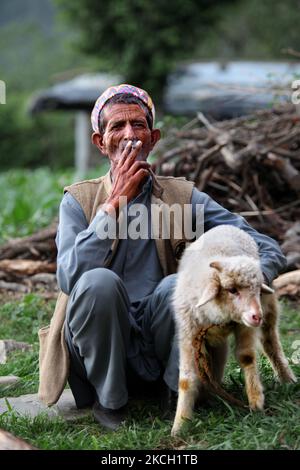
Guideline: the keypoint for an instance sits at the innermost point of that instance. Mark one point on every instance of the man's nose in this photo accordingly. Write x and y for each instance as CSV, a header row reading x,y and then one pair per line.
x,y
129,132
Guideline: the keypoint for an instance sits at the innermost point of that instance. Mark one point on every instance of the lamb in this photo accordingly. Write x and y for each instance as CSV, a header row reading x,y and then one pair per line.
x,y
220,284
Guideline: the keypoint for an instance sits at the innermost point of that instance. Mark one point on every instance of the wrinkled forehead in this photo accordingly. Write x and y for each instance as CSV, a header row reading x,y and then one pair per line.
x,y
123,111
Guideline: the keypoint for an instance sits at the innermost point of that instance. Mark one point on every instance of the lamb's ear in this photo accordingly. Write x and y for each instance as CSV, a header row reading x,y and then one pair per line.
x,y
210,291
217,265
266,289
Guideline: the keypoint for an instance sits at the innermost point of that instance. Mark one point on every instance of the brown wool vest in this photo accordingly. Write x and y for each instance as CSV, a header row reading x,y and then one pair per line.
x,y
54,356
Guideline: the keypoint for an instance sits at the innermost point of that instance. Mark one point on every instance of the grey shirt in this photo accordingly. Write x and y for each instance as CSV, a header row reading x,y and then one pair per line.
x,y
136,261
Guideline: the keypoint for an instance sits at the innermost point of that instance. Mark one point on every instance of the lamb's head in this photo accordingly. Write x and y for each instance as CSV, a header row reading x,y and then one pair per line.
x,y
234,285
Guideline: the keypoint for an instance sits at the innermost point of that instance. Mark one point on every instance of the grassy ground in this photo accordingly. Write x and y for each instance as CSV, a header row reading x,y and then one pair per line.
x,y
215,426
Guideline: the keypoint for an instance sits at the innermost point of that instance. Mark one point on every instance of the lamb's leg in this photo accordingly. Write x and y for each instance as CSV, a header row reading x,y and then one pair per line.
x,y
188,386
271,341
245,353
218,355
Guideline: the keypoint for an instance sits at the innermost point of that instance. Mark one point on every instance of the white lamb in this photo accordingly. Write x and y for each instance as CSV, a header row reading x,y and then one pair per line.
x,y
220,283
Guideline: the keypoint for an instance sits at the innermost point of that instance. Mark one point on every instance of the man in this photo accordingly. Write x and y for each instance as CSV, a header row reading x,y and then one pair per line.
x,y
114,312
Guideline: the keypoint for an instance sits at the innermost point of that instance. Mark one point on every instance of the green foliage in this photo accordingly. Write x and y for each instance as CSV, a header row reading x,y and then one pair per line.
x,y
21,320
30,142
254,29
171,124
142,40
35,53
30,200
36,50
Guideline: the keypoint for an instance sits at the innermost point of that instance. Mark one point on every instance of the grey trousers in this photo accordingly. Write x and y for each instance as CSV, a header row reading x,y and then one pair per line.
x,y
107,337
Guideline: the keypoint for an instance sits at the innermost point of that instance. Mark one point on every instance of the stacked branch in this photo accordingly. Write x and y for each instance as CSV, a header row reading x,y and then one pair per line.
x,y
30,262
250,165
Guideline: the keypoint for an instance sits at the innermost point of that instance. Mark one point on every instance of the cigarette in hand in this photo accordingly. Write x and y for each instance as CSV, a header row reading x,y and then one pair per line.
x,y
135,142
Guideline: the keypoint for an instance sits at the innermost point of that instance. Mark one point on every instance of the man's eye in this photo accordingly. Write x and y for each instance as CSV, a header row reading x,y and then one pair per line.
x,y
233,290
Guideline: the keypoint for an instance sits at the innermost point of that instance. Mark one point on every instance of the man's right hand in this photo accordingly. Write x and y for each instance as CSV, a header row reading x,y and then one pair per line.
x,y
128,176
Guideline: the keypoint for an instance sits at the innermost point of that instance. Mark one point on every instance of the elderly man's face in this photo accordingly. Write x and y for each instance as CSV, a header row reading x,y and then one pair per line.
x,y
125,122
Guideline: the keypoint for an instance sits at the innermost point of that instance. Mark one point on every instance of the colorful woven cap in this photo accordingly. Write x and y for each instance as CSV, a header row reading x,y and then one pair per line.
x,y
116,90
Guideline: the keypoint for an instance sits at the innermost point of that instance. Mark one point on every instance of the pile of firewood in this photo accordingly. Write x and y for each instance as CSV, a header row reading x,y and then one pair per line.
x,y
30,262
250,165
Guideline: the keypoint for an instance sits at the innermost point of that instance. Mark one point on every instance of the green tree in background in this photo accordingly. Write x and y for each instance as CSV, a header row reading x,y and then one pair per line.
x,y
254,29
142,39
35,53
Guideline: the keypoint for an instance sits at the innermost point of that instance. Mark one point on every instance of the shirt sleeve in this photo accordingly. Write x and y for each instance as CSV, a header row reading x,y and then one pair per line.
x,y
272,259
79,248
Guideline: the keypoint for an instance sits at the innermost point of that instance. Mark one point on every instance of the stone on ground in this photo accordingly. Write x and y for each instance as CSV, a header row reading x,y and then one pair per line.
x,y
9,345
31,406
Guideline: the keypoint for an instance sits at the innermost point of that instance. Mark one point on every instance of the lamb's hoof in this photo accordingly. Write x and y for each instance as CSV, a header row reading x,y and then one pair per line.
x,y
257,403
288,377
175,431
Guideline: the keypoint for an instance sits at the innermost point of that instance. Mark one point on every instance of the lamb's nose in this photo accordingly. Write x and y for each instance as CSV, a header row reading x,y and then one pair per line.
x,y
256,318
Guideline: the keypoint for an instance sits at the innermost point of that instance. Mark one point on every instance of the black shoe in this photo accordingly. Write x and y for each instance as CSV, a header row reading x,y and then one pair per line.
x,y
108,418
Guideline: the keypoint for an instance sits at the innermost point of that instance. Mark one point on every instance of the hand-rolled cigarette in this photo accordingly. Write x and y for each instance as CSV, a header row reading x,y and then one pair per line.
x,y
134,143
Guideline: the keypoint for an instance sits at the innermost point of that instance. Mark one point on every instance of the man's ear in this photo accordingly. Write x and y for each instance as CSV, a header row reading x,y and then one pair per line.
x,y
155,136
97,139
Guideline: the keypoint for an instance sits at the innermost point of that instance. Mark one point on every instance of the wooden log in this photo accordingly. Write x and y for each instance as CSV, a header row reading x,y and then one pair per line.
x,y
42,241
22,267
14,286
286,169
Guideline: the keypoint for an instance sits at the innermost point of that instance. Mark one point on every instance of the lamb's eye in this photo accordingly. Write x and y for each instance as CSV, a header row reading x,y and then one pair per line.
x,y
233,290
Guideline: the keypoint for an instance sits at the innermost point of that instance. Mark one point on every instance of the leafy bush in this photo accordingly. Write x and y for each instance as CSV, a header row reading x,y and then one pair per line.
x,y
30,200
27,141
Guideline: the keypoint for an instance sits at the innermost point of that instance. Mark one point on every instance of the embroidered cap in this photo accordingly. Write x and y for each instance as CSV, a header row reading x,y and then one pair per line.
x,y
117,90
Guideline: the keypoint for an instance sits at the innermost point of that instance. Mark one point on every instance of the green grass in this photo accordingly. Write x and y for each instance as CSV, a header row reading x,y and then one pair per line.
x,y
20,320
216,425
